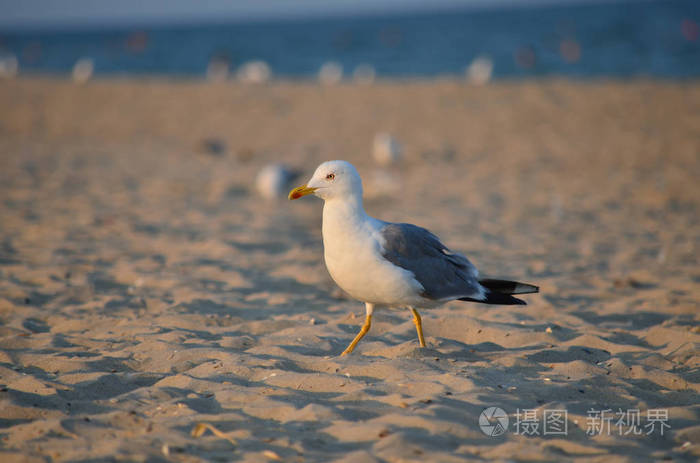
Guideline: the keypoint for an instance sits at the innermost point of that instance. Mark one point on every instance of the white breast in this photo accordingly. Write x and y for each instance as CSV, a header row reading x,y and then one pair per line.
x,y
352,251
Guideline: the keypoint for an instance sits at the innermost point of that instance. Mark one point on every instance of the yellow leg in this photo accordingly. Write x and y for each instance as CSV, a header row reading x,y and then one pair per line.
x,y
419,326
363,331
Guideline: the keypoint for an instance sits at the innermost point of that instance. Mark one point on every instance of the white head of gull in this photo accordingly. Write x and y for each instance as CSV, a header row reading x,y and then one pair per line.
x,y
392,264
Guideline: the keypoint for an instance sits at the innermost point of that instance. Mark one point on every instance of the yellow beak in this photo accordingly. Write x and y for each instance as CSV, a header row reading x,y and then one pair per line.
x,y
300,191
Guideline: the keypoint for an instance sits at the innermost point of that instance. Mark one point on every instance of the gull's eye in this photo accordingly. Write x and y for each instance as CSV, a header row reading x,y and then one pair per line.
x,y
330,176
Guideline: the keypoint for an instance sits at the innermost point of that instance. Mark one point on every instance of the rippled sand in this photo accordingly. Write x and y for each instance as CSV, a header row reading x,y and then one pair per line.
x,y
145,287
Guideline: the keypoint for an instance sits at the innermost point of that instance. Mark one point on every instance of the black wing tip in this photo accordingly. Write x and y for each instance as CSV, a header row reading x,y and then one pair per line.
x,y
508,286
503,299
496,299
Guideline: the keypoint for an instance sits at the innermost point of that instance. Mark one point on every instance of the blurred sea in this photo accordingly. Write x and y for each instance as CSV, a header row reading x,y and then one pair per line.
x,y
650,38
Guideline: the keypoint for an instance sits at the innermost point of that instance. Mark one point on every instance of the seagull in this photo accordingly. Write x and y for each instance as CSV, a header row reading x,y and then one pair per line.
x,y
386,264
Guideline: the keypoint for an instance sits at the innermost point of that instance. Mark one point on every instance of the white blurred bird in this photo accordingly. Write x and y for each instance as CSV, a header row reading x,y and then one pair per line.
x,y
254,72
386,150
273,180
479,71
331,73
82,70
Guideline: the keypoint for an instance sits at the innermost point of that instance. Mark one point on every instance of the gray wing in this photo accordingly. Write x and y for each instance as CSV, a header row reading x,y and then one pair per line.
x,y
443,274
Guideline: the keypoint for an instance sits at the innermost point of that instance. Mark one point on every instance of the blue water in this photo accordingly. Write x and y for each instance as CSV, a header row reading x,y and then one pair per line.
x,y
658,39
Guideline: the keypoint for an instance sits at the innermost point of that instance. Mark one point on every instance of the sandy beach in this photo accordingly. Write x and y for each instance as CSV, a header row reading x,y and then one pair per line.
x,y
145,286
